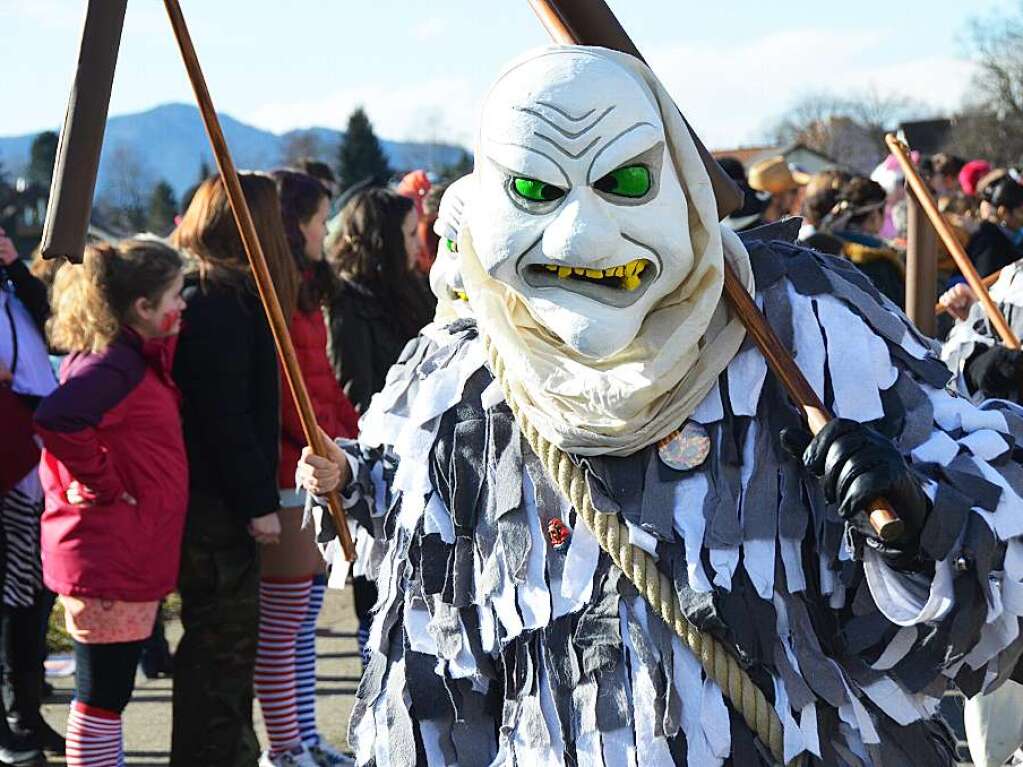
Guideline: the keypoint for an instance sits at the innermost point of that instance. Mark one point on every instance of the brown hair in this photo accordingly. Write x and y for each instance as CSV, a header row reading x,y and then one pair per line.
x,y
369,249
92,300
301,196
943,164
862,194
45,269
209,235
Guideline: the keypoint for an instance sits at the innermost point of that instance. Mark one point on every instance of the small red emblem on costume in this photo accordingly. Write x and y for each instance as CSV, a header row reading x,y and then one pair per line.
x,y
558,533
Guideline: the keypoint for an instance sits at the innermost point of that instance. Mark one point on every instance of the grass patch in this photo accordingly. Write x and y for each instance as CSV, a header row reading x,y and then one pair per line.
x,y
57,638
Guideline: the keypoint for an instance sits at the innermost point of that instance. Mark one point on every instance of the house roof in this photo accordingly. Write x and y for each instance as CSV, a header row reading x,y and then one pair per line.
x,y
747,154
752,154
926,136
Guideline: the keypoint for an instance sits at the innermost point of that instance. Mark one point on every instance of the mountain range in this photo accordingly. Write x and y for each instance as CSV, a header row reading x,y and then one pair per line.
x,y
169,142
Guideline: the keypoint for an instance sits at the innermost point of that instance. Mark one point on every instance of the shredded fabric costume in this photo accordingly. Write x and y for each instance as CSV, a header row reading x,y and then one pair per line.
x,y
592,259
976,333
491,645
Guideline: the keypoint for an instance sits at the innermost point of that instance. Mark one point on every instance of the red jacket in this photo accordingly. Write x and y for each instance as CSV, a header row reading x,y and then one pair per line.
x,y
113,425
334,411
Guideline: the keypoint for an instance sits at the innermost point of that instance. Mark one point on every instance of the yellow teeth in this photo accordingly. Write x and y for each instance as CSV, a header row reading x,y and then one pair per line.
x,y
628,274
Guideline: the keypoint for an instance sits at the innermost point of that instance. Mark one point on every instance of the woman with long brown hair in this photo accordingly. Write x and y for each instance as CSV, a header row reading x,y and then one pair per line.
x,y
381,304
292,587
226,368
382,301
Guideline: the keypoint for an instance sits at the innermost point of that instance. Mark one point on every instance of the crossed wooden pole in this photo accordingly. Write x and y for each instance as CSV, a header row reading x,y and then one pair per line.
x,y
589,22
925,199
74,184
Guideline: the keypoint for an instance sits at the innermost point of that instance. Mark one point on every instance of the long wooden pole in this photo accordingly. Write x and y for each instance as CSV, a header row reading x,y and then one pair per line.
x,y
257,261
592,22
955,248
558,17
921,267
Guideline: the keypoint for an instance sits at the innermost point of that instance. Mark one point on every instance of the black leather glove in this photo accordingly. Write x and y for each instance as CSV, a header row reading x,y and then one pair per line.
x,y
857,464
995,372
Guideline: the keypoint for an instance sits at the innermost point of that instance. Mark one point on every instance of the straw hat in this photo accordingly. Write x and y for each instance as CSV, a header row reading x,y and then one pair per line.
x,y
775,176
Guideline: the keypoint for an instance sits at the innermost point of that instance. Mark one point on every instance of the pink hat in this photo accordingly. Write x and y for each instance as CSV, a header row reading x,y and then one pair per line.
x,y
889,173
971,173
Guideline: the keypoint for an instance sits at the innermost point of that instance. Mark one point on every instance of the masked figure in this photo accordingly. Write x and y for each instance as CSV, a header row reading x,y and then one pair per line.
x,y
600,344
984,368
445,274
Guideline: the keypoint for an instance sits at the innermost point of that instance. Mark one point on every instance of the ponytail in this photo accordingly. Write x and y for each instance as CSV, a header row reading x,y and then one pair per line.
x,y
92,300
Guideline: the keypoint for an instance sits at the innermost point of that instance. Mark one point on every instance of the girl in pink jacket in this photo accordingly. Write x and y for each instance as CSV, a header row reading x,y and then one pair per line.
x,y
115,474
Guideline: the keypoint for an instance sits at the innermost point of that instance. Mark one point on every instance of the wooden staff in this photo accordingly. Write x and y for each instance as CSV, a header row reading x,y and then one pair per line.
x,y
991,279
591,22
257,261
955,248
594,23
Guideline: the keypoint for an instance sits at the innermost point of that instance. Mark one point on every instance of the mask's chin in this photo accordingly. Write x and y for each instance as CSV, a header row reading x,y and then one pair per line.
x,y
601,332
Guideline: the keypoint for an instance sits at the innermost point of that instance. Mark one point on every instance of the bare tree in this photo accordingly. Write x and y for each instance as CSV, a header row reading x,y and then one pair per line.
x,y
989,125
302,145
806,121
127,191
847,127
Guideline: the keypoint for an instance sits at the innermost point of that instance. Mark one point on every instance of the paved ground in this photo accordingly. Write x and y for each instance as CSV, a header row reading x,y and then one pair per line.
x,y
148,716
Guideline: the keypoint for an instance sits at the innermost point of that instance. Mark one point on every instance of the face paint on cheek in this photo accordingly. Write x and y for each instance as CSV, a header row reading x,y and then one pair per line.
x,y
170,321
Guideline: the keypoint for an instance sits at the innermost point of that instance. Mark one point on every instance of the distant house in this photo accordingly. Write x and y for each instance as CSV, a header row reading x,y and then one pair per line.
x,y
23,214
797,154
927,136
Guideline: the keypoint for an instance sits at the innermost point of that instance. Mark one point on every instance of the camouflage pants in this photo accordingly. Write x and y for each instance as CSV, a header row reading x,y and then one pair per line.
x,y
214,663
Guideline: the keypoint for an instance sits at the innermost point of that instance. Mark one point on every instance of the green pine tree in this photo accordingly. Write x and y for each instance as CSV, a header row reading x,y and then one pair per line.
x,y
42,157
461,167
161,209
360,155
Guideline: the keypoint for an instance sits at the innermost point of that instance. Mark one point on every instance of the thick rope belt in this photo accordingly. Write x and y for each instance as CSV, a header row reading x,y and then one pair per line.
x,y
640,568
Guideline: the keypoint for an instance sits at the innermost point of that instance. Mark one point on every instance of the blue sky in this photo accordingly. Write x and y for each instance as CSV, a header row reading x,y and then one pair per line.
x,y
420,68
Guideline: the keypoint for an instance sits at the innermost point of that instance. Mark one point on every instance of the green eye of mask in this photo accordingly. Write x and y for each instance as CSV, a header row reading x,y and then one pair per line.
x,y
535,190
629,181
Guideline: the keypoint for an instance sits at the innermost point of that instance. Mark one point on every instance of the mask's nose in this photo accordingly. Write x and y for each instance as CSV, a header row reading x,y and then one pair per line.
x,y
582,232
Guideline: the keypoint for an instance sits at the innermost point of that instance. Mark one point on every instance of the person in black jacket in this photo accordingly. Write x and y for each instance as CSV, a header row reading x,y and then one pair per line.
x,y
382,301
992,246
226,368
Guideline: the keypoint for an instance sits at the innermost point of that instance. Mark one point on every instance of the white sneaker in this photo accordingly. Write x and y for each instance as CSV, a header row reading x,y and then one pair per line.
x,y
298,757
325,755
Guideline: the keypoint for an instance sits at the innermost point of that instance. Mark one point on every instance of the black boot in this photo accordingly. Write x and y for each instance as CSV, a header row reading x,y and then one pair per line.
x,y
18,751
32,757
156,660
24,700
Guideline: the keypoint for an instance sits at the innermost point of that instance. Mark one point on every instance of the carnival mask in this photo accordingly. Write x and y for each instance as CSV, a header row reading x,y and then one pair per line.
x,y
578,206
445,274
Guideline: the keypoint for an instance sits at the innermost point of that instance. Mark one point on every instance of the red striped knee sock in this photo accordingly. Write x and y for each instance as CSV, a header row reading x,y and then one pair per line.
x,y
93,737
283,606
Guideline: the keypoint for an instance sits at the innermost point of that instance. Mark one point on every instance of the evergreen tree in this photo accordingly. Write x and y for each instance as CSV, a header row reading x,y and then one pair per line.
x,y
360,155
161,209
42,157
461,167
